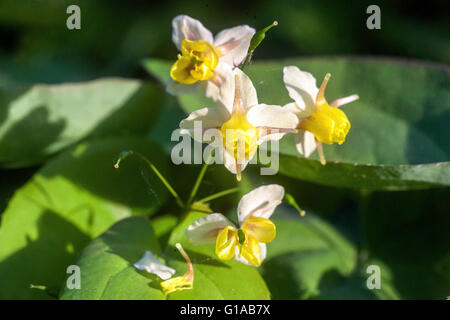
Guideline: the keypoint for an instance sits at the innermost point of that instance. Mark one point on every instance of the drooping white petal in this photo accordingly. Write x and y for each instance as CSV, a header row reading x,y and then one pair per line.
x,y
305,143
205,229
185,27
247,91
233,44
241,259
175,88
260,202
272,116
301,87
151,264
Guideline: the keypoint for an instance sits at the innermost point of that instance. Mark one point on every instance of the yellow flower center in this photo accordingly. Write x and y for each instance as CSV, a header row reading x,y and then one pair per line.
x,y
255,230
328,124
197,61
240,137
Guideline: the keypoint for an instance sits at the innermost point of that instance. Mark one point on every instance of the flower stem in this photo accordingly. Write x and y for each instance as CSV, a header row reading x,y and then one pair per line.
x,y
123,155
256,40
199,179
218,195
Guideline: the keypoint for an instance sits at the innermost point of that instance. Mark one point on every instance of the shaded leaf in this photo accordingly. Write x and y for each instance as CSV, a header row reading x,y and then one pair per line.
x,y
106,264
399,137
213,278
71,200
39,120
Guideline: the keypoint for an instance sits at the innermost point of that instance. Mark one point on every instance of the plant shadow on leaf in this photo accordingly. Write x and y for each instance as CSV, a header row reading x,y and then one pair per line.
x,y
58,116
44,134
90,166
85,191
30,265
108,264
197,258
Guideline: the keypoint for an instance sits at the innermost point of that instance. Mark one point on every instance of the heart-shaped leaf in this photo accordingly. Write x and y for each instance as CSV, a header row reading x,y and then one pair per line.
x,y
39,120
106,264
108,273
399,137
71,200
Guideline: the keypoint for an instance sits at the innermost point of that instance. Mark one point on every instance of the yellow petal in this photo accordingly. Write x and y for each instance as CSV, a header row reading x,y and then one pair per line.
x,y
226,243
262,229
201,72
181,70
183,282
328,124
250,250
202,51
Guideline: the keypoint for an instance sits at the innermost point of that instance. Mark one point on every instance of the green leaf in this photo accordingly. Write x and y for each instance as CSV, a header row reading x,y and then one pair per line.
x,y
39,120
335,287
213,278
399,137
68,202
409,232
163,226
304,249
108,273
106,264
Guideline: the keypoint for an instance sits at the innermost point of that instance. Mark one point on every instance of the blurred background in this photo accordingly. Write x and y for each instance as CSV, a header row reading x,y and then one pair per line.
x,y
37,47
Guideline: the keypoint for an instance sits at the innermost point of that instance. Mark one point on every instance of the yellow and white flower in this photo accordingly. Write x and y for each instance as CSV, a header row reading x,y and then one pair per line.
x,y
246,243
241,122
151,264
320,122
205,61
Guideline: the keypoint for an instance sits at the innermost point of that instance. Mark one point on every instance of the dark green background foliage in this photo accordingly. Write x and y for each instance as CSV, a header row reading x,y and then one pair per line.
x,y
71,101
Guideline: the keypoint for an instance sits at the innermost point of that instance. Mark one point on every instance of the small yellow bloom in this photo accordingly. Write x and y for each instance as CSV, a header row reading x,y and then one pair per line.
x,y
329,125
205,60
196,63
255,230
246,244
320,122
183,282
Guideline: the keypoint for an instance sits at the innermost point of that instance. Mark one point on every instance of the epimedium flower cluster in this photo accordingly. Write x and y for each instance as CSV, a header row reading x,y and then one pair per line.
x,y
241,124
246,243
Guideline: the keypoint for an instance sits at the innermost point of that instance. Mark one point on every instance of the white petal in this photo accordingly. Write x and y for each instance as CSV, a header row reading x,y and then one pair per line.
x,y
246,88
213,87
305,143
263,253
151,264
201,120
175,88
271,116
233,44
295,109
301,87
185,27
230,162
260,202
204,230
